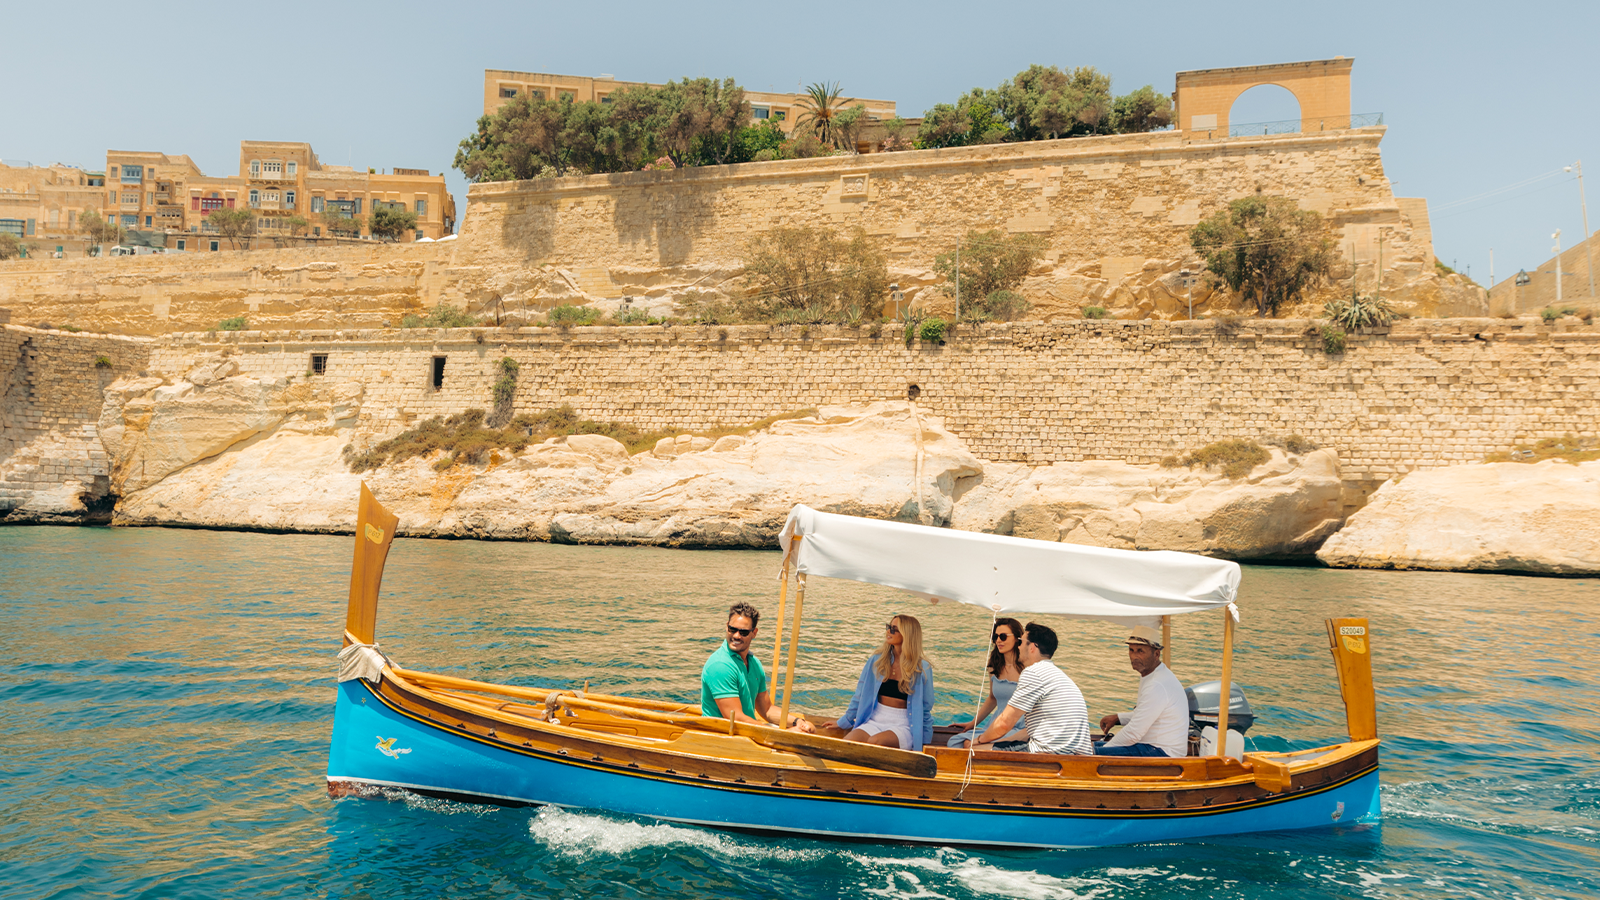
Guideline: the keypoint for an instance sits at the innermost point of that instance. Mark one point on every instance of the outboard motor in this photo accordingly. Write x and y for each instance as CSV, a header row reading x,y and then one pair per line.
x,y
1204,703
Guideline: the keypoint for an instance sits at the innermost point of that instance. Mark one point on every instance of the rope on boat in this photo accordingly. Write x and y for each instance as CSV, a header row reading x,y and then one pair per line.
x,y
972,742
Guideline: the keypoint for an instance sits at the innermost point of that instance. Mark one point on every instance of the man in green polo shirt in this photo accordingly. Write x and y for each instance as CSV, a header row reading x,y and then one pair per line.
x,y
732,684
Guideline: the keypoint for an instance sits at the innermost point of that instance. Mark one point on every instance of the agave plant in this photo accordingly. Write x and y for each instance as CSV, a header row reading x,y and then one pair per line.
x,y
1359,312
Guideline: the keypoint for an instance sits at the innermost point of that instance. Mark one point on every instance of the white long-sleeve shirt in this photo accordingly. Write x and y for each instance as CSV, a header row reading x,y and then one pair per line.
x,y
1160,715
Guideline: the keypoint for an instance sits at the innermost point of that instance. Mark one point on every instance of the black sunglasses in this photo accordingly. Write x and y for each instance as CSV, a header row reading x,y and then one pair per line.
x,y
892,628
1001,636
741,632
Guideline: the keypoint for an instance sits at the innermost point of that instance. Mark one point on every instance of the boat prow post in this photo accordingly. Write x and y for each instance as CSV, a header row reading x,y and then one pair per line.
x,y
375,527
1351,643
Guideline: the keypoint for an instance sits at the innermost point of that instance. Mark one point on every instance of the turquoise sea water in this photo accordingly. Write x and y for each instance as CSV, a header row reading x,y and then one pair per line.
x,y
166,698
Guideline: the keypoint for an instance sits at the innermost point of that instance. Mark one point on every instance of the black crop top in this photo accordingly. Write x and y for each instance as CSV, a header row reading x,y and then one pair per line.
x,y
891,689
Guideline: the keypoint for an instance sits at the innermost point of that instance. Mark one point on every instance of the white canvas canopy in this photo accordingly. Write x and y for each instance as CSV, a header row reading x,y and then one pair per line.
x,y
1007,574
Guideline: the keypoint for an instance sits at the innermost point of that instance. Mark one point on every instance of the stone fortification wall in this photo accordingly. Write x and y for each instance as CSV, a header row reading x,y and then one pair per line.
x,y
1425,393
345,286
52,463
1115,213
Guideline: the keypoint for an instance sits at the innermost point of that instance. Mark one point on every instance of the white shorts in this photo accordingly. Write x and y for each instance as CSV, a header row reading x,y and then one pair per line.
x,y
887,718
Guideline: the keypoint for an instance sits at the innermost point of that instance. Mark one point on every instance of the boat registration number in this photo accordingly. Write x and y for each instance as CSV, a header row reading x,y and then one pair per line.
x,y
1353,629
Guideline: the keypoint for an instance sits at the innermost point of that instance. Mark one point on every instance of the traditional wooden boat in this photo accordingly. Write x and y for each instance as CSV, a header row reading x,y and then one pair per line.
x,y
502,744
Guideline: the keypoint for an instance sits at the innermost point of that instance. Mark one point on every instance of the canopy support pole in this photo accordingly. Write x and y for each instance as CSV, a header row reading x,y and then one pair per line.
x,y
794,645
777,637
1227,682
1166,641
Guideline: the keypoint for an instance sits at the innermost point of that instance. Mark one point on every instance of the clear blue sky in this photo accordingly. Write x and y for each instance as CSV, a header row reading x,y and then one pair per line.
x,y
1477,96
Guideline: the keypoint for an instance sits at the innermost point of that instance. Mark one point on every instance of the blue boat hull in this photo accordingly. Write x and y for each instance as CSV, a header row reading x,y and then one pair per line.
x,y
376,744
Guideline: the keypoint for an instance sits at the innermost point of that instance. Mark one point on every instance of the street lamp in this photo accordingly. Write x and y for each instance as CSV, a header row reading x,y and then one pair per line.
x,y
1557,251
1188,282
1588,251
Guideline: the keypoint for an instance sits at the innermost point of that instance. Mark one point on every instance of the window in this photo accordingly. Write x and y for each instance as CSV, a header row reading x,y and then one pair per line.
x,y
147,221
132,221
607,99
780,115
181,243
255,198
272,168
17,227
113,171
270,196
214,245
132,174
130,199
420,236
319,363
317,232
438,372
149,198
537,95
759,112
288,198
255,168
422,207
344,207
292,167
207,204
508,92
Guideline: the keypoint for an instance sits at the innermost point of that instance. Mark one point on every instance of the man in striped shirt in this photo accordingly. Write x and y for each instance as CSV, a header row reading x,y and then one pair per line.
x,y
1057,717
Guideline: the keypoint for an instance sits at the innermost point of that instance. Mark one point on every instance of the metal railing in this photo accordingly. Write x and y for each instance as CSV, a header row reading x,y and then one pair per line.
x,y
1301,126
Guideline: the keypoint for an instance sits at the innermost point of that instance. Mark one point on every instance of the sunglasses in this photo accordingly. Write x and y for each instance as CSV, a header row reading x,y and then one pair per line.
x,y
892,628
1001,636
741,632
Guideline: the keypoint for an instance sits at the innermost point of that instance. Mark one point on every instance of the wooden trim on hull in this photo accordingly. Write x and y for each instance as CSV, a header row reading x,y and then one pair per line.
x,y
1002,782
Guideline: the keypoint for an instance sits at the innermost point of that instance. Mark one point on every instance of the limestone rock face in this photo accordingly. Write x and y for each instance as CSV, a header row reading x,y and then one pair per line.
x,y
883,460
1285,508
1496,517
152,429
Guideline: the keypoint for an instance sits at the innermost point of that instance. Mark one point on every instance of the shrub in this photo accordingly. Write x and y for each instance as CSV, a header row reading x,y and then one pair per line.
x,y
990,261
1293,443
814,274
1359,312
913,320
71,328
1332,339
1236,457
635,317
506,386
442,316
999,306
573,315
1551,313
932,331
237,323
1571,448
102,362
1095,312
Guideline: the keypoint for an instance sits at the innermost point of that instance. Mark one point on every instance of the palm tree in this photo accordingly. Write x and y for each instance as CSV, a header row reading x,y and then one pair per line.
x,y
818,108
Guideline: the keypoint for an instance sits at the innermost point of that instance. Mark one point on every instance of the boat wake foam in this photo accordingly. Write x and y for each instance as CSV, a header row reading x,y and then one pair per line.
x,y
586,835
903,879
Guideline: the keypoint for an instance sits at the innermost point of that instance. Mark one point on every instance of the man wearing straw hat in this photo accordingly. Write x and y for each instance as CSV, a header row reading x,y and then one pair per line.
x,y
1159,723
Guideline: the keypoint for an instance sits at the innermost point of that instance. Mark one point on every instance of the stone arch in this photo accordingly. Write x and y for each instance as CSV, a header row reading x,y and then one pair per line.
x,y
1268,94
1204,97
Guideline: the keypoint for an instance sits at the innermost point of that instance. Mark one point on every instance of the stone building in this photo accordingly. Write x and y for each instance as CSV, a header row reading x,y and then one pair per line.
x,y
501,85
41,204
1532,290
285,179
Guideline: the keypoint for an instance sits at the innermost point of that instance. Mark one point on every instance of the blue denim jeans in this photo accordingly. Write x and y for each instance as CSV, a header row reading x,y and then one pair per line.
x,y
1129,750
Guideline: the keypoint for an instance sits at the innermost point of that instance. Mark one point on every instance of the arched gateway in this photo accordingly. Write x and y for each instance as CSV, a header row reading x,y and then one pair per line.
x,y
1204,97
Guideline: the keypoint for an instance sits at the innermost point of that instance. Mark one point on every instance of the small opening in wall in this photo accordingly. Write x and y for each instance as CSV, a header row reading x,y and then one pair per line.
x,y
319,363
438,372
913,392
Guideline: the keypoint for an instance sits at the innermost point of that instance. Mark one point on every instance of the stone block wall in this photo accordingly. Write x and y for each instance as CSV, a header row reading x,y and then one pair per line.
x,y
51,392
1423,394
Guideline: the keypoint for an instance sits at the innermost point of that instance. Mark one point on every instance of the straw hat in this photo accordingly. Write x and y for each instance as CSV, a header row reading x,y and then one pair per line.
x,y
1144,634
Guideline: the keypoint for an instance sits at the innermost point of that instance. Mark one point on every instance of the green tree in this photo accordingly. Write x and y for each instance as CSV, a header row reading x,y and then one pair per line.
x,y
818,108
1044,102
296,224
972,121
991,262
233,224
1266,249
11,246
339,223
813,275
1141,110
99,229
389,222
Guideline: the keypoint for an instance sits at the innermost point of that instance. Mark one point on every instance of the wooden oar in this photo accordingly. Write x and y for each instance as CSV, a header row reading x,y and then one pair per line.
x,y
904,762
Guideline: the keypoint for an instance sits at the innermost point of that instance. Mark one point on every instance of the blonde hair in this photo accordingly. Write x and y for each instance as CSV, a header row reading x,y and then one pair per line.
x,y
910,654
